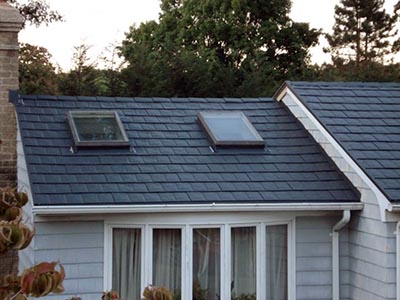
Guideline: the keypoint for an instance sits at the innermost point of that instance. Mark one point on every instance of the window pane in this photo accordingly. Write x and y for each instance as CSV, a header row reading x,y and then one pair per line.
x,y
206,264
243,274
167,260
230,127
276,257
97,128
126,263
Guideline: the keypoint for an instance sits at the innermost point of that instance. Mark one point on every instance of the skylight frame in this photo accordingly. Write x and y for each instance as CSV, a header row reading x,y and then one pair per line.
x,y
124,142
257,142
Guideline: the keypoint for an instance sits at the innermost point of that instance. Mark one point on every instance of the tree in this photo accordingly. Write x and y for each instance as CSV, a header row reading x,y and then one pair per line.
x,y
217,48
114,84
36,72
362,32
37,12
84,79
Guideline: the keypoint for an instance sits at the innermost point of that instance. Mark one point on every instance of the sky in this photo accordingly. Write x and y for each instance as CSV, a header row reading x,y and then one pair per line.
x,y
100,23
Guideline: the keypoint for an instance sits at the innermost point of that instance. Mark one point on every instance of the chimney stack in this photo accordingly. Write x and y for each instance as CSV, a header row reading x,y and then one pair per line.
x,y
10,24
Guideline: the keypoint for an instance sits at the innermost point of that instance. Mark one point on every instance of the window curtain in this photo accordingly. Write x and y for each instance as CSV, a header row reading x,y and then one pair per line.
x,y
126,263
206,264
243,264
276,258
167,259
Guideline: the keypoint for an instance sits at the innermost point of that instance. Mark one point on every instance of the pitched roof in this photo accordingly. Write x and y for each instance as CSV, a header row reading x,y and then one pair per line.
x,y
365,119
172,162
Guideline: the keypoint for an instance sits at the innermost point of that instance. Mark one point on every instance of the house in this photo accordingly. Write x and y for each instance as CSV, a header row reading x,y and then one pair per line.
x,y
169,186
290,197
310,199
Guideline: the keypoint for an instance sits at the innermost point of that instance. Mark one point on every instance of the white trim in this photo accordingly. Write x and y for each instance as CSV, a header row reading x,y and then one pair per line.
x,y
226,223
212,207
397,260
292,284
383,202
226,277
107,276
260,260
148,261
187,266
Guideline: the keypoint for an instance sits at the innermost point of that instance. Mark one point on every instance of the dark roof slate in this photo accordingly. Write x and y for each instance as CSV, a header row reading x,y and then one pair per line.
x,y
172,161
365,119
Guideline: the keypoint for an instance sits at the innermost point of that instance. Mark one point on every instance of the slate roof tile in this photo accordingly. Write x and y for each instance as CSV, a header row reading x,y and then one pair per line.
x,y
172,162
365,119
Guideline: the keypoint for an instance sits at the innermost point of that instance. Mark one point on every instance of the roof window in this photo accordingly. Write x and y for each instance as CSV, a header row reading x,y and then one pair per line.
x,y
97,129
230,129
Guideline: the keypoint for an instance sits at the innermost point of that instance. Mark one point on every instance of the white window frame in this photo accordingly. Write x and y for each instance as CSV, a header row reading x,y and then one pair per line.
x,y
188,222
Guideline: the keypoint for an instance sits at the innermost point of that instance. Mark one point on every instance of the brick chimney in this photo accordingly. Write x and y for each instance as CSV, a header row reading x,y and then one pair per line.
x,y
10,24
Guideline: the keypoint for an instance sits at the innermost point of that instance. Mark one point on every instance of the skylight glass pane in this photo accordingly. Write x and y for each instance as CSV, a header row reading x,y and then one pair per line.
x,y
230,128
96,128
101,128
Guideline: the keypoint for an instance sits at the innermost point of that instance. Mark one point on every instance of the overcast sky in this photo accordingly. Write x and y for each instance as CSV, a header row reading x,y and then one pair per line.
x,y
101,22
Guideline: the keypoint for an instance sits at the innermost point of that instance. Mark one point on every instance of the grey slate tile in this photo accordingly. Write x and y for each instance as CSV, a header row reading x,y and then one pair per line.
x,y
173,162
369,119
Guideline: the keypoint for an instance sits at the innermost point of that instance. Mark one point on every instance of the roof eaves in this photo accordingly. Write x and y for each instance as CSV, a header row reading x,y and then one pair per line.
x,y
211,207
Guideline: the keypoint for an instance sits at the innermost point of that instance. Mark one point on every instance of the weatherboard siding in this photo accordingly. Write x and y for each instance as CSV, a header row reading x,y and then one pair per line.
x,y
314,258
371,242
372,256
79,247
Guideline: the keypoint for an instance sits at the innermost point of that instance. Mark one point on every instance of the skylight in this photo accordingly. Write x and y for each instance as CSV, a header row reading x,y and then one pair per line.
x,y
230,129
97,128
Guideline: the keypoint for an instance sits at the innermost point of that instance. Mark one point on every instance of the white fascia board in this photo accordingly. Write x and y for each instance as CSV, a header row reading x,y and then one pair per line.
x,y
384,203
212,207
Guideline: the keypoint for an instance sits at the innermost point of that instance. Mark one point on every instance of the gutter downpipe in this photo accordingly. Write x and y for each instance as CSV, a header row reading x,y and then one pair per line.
x,y
398,260
335,253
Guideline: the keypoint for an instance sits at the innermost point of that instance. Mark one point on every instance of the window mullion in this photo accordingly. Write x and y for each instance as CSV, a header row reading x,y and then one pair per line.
x,y
261,261
148,257
226,262
108,254
291,256
187,259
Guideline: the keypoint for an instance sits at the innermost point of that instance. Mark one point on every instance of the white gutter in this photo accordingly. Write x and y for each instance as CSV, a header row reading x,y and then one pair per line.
x,y
335,254
398,260
395,208
211,207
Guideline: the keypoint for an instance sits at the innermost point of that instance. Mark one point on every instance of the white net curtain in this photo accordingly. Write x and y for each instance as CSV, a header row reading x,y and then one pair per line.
x,y
126,263
206,268
167,258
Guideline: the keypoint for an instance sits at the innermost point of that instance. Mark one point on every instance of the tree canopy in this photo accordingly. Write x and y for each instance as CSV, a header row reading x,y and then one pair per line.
x,y
36,72
362,32
216,48
37,12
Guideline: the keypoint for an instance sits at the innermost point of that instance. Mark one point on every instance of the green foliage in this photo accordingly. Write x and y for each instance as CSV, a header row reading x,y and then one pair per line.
x,y
86,79
198,292
83,79
363,32
37,12
216,48
36,72
37,281
244,297
371,72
